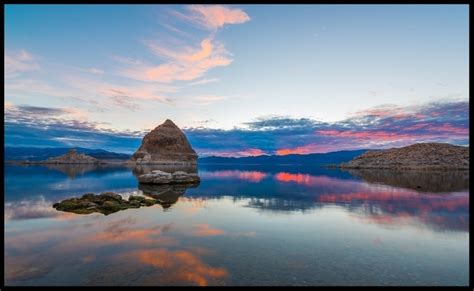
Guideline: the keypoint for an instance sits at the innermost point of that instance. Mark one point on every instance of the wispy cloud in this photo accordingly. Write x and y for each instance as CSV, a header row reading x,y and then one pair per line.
x,y
19,62
208,99
181,65
94,71
204,81
189,61
128,96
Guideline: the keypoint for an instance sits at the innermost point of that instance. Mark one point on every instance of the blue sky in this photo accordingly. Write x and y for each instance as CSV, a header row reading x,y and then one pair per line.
x,y
102,75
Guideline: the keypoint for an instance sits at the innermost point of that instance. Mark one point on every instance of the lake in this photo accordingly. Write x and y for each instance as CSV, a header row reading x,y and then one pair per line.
x,y
243,225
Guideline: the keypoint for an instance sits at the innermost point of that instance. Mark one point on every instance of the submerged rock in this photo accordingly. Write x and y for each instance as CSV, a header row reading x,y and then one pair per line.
x,y
160,177
166,144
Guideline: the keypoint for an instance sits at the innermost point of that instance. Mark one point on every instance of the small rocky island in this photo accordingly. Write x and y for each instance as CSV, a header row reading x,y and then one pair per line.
x,y
420,156
166,144
110,202
105,203
71,157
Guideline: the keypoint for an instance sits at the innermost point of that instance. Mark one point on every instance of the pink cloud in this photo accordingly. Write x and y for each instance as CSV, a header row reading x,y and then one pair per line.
x,y
188,55
417,126
186,64
216,16
181,65
446,127
395,112
380,135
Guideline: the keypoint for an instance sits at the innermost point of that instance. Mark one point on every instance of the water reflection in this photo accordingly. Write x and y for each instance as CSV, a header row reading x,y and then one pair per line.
x,y
422,181
72,171
293,225
138,253
445,208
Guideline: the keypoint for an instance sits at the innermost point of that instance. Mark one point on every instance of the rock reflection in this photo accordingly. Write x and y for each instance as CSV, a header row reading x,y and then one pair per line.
x,y
422,181
391,207
138,170
382,197
165,195
74,170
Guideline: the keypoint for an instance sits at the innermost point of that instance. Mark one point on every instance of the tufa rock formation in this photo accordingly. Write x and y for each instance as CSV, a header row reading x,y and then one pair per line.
x,y
421,156
72,157
166,144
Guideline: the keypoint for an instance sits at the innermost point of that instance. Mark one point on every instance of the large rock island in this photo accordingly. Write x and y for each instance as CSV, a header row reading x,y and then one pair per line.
x,y
166,144
71,157
421,156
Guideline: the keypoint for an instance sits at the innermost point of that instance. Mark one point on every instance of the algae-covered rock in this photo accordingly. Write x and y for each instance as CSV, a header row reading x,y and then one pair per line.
x,y
105,203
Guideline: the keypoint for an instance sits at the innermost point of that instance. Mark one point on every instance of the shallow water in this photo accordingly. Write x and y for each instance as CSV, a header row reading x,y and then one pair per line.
x,y
243,225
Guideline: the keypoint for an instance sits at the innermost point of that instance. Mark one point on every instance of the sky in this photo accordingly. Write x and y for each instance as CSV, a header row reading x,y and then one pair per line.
x,y
240,80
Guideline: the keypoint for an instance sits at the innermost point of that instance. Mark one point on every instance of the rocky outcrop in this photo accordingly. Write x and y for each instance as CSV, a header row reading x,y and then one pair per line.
x,y
160,177
421,156
71,157
166,144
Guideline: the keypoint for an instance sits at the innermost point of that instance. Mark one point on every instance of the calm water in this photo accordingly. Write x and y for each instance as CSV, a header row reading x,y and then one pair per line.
x,y
249,225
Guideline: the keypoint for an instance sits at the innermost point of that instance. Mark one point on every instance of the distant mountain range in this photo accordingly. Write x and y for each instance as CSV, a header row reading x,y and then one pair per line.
x,y
309,159
38,154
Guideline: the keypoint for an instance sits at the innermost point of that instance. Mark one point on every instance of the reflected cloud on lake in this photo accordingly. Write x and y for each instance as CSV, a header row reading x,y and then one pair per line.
x,y
192,238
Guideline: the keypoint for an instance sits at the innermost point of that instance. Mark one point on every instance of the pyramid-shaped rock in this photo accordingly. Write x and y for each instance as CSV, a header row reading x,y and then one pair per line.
x,y
166,144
